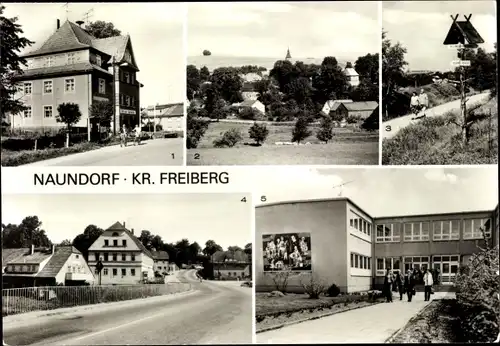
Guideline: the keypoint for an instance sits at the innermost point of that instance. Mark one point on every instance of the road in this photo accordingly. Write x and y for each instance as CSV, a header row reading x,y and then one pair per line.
x,y
391,128
156,152
216,312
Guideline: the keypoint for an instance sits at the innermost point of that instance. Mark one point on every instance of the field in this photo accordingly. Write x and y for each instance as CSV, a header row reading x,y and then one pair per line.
x,y
435,141
350,146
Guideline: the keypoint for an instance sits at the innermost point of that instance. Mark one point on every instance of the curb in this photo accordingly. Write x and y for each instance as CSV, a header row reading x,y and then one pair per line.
x,y
81,308
286,324
398,331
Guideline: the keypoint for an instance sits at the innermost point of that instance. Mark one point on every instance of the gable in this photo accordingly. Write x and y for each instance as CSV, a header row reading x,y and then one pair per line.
x,y
463,32
110,235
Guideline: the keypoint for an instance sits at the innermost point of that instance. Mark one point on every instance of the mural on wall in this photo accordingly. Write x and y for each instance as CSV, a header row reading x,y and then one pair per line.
x,y
284,251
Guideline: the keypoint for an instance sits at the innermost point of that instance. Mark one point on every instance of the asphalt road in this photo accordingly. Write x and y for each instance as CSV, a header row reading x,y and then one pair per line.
x,y
217,312
158,152
391,128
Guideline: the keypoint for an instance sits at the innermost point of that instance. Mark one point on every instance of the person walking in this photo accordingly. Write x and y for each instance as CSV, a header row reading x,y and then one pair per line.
x,y
409,285
137,132
428,282
123,136
388,286
414,103
423,101
400,284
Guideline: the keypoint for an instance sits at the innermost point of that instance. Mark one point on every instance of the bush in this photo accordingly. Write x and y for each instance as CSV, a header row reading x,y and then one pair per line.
x,y
301,130
313,286
258,133
333,291
325,133
196,128
229,139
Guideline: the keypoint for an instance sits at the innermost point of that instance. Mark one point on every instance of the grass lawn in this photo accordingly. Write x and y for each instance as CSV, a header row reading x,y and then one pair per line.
x,y
349,146
437,323
273,311
433,141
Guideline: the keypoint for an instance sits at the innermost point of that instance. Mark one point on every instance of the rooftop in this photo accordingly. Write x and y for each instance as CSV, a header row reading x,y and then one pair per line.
x,y
360,106
22,256
165,110
117,226
57,261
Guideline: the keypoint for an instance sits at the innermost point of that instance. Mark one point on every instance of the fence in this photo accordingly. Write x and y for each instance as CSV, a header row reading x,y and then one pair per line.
x,y
22,300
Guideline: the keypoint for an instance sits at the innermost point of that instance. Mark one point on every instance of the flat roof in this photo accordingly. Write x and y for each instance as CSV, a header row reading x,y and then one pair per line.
x,y
346,199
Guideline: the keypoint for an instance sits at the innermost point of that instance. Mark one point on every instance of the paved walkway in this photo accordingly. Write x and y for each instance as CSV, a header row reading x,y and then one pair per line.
x,y
373,324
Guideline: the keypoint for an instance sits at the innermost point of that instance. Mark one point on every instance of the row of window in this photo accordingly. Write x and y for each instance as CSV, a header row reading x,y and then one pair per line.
x,y
416,262
360,224
127,77
114,271
360,261
25,268
115,242
441,230
126,100
114,257
69,86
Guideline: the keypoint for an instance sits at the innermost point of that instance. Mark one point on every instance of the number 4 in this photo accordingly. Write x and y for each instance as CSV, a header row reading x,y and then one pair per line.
x,y
244,199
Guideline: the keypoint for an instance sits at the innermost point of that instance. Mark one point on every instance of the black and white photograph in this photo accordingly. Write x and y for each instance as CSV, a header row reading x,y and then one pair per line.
x,y
287,252
92,84
283,83
132,269
398,255
439,83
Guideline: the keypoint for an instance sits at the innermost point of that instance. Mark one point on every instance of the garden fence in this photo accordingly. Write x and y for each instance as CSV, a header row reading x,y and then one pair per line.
x,y
28,299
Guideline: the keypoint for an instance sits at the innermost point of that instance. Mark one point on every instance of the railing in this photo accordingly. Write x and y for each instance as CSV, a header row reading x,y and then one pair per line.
x,y
22,300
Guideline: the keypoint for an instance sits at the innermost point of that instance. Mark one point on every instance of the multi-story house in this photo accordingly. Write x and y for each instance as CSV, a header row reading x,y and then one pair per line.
x,y
29,267
353,250
124,257
169,116
73,66
161,264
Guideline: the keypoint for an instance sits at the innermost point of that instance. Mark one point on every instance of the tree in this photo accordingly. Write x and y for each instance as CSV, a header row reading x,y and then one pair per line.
x,y
84,240
101,112
204,74
331,81
248,251
301,130
146,238
69,114
227,83
325,132
365,91
258,133
196,128
368,68
11,43
66,242
372,122
193,81
27,233
102,29
211,247
299,89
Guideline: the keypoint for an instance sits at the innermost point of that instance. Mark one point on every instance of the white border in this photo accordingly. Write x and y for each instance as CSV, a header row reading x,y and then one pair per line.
x,y
380,107
185,50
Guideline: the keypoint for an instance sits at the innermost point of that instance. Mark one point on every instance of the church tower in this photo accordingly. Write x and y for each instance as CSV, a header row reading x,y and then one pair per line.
x,y
288,55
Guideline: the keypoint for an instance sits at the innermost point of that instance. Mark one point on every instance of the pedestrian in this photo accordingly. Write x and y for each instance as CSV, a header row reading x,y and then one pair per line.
x,y
409,284
388,286
428,282
123,136
414,103
137,132
400,284
424,101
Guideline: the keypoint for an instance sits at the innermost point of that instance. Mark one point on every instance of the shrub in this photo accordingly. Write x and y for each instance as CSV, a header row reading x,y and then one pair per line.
x,y
258,133
196,128
301,130
333,291
229,139
325,133
313,286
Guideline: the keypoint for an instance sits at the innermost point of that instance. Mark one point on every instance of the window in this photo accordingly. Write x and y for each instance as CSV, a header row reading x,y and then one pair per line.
x,y
106,242
124,257
105,271
102,86
28,112
49,61
122,99
115,257
124,272
391,263
387,233
369,263
133,101
132,272
132,78
360,224
360,261
115,242
417,262
98,60
47,87
446,230
47,111
105,257
115,234
97,256
127,100
69,85
416,231
124,242
115,272
77,256
132,257
356,261
127,77
71,58
472,228
27,88
352,260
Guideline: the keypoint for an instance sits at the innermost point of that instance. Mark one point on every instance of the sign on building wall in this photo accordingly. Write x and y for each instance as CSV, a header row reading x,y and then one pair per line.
x,y
127,111
288,251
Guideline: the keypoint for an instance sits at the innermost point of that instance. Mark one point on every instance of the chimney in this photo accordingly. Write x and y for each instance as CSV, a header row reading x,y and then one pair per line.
x,y
132,231
80,22
58,24
32,249
123,223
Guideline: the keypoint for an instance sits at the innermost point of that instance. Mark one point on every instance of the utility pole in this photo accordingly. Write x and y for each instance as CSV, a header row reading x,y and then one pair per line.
x,y
87,15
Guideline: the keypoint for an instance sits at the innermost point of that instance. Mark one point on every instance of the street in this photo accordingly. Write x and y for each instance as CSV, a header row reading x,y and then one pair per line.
x,y
158,152
391,128
216,312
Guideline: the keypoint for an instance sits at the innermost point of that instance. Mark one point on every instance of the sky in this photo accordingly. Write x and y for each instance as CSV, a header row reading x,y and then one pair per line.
x,y
387,191
422,26
156,31
197,217
266,29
